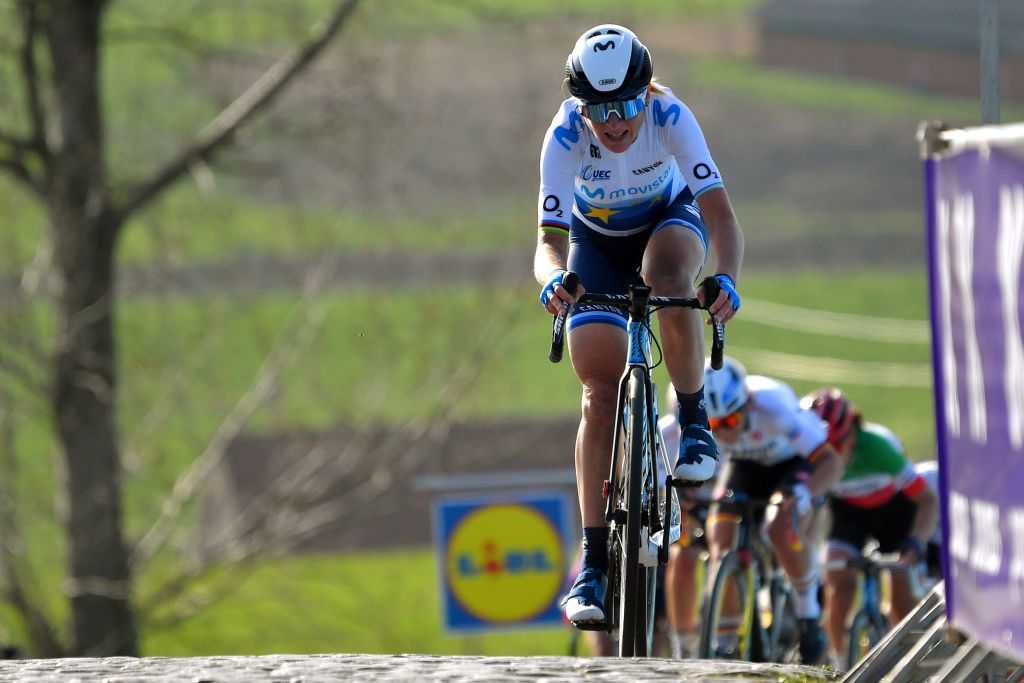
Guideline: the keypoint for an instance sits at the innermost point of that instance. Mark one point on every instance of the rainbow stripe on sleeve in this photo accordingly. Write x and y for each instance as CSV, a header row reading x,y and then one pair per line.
x,y
556,227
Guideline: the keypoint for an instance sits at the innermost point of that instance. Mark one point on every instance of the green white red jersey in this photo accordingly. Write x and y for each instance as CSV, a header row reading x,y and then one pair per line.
x,y
879,470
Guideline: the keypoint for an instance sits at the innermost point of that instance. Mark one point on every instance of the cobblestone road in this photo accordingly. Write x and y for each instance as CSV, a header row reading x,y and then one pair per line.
x,y
301,668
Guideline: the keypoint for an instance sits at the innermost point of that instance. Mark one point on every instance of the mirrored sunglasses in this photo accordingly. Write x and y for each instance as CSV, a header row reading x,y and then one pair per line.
x,y
626,109
730,420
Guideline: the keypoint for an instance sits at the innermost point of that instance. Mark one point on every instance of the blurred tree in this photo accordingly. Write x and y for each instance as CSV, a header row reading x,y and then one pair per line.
x,y
56,146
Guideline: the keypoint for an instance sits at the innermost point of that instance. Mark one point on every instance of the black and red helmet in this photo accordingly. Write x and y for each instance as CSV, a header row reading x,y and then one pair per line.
x,y
836,410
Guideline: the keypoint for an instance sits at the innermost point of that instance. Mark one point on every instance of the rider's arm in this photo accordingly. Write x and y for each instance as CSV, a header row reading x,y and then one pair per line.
x,y
559,160
927,515
724,230
551,254
828,470
685,140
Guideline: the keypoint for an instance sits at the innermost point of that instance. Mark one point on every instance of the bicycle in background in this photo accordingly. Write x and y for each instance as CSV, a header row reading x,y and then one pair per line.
x,y
870,624
766,628
639,509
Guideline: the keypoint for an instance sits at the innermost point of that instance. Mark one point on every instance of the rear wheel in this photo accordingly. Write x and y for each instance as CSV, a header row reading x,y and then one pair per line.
x,y
633,595
726,636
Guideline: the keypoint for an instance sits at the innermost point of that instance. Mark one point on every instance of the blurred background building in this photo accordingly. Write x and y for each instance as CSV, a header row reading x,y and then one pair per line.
x,y
930,45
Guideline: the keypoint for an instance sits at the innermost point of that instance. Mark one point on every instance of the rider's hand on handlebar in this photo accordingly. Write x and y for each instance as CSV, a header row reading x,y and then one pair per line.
x,y
912,552
800,496
728,301
553,296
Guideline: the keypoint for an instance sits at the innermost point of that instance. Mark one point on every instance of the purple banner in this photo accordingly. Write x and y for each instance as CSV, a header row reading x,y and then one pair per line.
x,y
975,206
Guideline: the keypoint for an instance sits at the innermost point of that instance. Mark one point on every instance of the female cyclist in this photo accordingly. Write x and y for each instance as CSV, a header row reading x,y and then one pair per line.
x,y
772,444
628,189
882,496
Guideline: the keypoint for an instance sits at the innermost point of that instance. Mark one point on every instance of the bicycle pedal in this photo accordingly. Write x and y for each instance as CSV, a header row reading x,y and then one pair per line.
x,y
591,625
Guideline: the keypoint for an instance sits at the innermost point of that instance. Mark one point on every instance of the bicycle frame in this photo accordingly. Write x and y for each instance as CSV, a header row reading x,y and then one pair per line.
x,y
639,541
868,621
755,558
637,517
638,356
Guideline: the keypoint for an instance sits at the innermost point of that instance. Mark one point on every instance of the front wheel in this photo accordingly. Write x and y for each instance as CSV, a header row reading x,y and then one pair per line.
x,y
725,636
633,591
865,633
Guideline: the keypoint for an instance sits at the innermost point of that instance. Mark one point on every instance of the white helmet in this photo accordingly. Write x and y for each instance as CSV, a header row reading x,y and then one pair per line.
x,y
608,63
725,390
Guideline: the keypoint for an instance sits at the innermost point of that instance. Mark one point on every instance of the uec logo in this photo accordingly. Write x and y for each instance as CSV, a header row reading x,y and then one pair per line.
x,y
505,563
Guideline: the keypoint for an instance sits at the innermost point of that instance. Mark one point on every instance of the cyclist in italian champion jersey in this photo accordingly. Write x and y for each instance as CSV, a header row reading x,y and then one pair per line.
x,y
627,189
772,445
880,496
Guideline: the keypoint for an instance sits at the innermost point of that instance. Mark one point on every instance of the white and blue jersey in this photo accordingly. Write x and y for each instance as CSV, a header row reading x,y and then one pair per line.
x,y
609,204
622,194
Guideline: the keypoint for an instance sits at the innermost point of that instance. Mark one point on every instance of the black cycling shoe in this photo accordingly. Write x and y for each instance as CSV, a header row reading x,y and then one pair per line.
x,y
812,641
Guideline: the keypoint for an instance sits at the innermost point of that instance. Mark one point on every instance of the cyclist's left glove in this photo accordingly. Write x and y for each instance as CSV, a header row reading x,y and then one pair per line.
x,y
728,286
555,278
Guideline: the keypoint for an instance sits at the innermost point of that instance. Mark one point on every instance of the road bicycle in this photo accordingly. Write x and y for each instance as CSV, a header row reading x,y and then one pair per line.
x,y
639,509
870,624
767,629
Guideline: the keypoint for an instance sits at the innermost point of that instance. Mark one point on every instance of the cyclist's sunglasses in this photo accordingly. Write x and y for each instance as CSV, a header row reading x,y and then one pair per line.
x,y
730,420
626,109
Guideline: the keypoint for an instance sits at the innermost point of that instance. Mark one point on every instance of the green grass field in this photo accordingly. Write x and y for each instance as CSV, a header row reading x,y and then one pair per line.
x,y
373,603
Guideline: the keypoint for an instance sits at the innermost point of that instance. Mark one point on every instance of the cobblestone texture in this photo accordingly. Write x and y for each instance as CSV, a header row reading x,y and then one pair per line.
x,y
301,668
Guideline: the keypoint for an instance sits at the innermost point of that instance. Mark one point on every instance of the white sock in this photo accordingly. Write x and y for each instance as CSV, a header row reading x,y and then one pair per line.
x,y
805,594
684,644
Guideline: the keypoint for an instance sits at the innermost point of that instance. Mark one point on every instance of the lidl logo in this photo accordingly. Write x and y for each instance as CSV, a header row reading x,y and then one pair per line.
x,y
502,561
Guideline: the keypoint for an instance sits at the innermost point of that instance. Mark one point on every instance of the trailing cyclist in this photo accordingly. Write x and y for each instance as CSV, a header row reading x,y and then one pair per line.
x,y
628,186
881,496
682,594
773,445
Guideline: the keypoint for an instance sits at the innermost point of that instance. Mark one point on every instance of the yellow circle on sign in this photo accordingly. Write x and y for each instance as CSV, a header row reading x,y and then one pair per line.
x,y
505,563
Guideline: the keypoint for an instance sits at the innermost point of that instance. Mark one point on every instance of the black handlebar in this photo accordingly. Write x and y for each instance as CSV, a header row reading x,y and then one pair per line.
x,y
570,281
711,290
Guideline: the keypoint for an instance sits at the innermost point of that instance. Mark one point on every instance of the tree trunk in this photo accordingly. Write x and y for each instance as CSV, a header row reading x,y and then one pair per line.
x,y
85,229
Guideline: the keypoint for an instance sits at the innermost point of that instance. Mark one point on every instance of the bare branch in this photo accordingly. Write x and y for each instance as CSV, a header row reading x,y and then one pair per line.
x,y
222,128
20,171
286,350
222,586
18,144
30,72
303,499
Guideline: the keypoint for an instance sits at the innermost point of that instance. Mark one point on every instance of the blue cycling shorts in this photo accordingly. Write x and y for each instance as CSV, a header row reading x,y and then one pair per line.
x,y
609,265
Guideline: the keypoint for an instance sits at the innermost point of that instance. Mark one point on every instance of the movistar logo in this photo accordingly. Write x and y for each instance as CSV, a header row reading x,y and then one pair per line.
x,y
661,116
604,46
569,134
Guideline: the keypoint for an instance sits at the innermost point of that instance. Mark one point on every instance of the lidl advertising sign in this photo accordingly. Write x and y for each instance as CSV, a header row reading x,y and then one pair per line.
x,y
502,561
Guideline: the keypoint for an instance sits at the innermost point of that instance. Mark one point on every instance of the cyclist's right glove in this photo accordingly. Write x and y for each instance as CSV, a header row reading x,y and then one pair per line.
x,y
555,278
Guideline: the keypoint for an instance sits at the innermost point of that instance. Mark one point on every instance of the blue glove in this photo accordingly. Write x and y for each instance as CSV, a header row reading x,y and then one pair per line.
x,y
555,278
729,287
